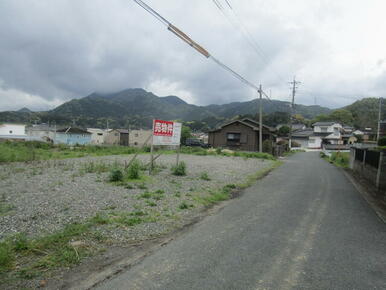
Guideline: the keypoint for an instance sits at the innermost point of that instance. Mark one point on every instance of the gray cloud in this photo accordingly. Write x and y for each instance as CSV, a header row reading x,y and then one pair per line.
x,y
52,51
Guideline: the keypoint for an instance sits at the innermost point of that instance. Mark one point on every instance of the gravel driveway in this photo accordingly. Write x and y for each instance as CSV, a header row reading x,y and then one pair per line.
x,y
40,198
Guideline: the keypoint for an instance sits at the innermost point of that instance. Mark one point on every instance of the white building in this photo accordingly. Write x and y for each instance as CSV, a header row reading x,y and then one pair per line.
x,y
98,136
322,133
12,131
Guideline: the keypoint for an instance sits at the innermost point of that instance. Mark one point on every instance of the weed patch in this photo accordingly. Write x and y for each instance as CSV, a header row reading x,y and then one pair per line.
x,y
180,169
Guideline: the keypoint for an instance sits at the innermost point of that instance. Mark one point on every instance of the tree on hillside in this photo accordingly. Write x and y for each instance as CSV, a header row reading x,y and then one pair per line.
x,y
342,116
284,131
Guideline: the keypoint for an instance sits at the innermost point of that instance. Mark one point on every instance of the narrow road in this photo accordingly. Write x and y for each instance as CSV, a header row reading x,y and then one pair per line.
x,y
304,226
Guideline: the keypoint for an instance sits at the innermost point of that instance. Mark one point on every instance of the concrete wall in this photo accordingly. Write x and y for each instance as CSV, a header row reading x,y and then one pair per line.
x,y
137,138
112,137
12,130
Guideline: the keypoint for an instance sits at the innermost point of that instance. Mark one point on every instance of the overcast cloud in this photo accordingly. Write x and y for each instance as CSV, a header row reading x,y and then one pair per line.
x,y
54,50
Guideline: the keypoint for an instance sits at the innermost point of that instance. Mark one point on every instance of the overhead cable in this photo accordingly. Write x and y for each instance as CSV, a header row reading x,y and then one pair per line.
x,y
194,44
238,25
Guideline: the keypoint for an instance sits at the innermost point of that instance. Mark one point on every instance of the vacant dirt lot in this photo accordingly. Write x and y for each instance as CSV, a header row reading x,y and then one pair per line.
x,y
42,197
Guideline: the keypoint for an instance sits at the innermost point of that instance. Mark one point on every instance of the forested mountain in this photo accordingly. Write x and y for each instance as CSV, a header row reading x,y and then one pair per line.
x,y
137,107
365,112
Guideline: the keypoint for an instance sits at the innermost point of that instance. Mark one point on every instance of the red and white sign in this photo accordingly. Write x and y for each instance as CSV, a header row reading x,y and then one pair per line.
x,y
162,128
166,132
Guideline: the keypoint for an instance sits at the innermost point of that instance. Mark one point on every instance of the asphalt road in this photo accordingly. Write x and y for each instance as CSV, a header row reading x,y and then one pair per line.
x,y
304,226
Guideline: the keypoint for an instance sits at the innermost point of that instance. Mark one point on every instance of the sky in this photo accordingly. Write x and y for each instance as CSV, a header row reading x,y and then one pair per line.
x,y
52,51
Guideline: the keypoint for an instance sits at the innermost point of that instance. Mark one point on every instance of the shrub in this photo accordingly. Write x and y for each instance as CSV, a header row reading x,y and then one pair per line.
x,y
267,146
184,205
116,175
205,176
179,169
382,141
134,170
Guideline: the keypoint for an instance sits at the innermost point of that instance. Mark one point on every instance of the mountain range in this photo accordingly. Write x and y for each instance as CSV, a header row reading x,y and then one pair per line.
x,y
137,108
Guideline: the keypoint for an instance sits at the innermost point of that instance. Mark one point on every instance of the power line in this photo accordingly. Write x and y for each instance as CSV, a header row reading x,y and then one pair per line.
x,y
194,44
238,24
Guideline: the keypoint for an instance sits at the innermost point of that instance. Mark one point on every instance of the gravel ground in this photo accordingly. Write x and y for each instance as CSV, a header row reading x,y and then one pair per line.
x,y
41,197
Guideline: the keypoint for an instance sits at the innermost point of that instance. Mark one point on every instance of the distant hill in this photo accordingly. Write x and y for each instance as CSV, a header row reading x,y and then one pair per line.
x,y
24,110
137,108
365,112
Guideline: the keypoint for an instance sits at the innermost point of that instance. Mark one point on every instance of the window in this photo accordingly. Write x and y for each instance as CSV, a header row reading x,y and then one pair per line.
x,y
10,132
100,134
233,137
323,129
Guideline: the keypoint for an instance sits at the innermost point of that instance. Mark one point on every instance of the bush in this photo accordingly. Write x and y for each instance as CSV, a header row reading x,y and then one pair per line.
x,y
267,146
116,175
382,141
180,169
205,176
134,170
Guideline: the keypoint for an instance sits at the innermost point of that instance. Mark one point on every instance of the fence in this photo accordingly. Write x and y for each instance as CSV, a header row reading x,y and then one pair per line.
x,y
371,165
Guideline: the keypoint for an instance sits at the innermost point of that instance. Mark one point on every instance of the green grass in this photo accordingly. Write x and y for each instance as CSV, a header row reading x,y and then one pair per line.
x,y
36,255
5,208
339,159
205,176
225,193
30,151
179,169
203,152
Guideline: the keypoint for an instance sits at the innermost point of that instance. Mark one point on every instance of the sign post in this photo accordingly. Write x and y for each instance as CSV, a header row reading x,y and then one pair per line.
x,y
165,133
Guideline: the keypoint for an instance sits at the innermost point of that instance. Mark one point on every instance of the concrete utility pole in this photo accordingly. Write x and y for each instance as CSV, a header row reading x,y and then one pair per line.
x,y
260,120
294,83
379,119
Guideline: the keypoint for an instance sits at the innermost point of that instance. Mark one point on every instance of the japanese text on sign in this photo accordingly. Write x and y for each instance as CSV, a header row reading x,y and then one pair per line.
x,y
163,128
166,133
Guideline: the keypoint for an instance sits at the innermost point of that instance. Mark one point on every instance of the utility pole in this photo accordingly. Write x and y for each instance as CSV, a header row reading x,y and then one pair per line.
x,y
260,120
379,119
294,83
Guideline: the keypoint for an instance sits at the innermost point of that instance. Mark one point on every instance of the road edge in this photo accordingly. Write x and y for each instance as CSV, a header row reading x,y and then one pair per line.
x,y
366,195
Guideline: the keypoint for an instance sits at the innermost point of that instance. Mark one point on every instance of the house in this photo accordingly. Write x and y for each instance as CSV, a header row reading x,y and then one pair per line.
x,y
324,133
43,132
239,135
138,138
117,137
72,136
10,131
98,136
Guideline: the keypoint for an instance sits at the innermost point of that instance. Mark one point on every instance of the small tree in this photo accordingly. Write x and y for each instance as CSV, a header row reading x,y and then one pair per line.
x,y
267,146
186,133
284,130
382,141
